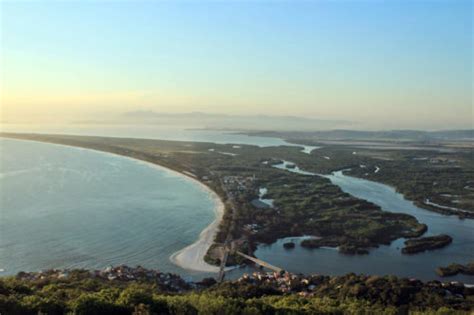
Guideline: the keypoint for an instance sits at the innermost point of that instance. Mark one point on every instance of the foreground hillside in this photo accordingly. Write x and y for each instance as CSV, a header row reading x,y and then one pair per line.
x,y
125,290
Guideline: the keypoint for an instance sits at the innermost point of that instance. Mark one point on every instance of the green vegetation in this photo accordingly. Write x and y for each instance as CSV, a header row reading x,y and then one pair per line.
x,y
455,269
396,136
433,169
422,244
82,292
303,205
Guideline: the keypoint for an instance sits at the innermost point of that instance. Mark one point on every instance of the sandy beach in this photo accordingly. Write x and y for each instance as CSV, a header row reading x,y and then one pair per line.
x,y
192,256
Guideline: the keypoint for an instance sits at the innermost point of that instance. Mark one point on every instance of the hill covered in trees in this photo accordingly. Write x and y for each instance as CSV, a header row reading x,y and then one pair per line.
x,y
125,290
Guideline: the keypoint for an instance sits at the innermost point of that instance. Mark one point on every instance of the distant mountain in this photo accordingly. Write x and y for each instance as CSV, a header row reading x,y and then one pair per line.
x,y
239,122
393,135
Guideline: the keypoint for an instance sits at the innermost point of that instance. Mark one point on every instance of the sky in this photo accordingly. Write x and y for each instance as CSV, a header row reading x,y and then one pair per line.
x,y
384,64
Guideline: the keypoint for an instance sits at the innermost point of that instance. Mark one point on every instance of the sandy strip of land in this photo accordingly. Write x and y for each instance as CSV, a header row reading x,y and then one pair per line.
x,y
192,256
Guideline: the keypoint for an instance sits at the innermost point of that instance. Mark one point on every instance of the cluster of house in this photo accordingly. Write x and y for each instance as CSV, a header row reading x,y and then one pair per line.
x,y
305,285
282,281
238,183
169,281
46,274
126,273
253,228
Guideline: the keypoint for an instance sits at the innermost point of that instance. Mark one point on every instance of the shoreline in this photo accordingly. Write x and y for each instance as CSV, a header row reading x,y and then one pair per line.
x,y
190,257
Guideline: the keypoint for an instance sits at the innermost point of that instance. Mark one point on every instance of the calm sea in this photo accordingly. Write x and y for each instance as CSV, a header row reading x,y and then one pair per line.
x,y
64,207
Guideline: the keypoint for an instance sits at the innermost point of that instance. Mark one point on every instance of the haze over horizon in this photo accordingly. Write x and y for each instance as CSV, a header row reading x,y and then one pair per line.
x,y
379,65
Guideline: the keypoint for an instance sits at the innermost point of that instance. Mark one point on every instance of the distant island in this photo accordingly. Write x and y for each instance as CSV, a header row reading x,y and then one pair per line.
x,y
218,121
455,269
413,246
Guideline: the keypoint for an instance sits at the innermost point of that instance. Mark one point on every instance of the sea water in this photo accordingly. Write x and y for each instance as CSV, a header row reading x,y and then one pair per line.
x,y
65,207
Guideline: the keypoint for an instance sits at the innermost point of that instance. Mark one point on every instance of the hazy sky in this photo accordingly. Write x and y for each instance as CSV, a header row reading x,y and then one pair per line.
x,y
404,64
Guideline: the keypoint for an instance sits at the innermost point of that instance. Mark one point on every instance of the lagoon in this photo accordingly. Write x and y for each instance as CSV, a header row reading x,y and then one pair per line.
x,y
385,259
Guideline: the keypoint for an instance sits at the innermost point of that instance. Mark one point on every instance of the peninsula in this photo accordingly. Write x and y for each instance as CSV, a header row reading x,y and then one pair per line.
x,y
301,205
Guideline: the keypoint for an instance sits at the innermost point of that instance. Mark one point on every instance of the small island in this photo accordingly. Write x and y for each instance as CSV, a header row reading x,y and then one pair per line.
x,y
422,244
454,269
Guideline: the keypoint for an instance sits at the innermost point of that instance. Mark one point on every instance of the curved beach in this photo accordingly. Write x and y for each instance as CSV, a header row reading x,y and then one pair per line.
x,y
192,256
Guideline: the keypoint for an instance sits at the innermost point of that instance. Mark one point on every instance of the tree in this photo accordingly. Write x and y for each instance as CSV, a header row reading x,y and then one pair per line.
x,y
135,295
88,304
